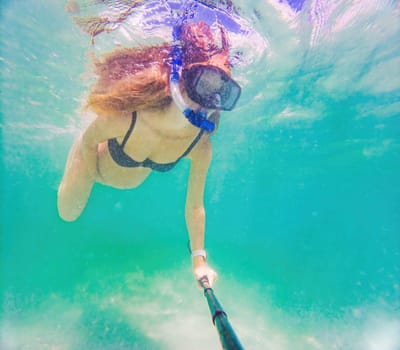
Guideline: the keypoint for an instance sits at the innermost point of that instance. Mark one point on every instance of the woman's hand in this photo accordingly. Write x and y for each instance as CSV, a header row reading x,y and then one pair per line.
x,y
201,269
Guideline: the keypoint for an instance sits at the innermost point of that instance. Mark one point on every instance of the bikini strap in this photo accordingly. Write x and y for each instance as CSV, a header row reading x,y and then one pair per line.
x,y
129,132
194,143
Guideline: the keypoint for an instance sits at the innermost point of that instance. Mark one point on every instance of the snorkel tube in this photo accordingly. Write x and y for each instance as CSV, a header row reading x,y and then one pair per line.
x,y
197,117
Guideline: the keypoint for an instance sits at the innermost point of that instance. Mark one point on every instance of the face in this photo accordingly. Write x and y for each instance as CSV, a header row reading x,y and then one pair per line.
x,y
211,87
207,67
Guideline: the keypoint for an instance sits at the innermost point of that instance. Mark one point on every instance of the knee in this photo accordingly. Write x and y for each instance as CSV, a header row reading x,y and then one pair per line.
x,y
66,206
66,212
67,216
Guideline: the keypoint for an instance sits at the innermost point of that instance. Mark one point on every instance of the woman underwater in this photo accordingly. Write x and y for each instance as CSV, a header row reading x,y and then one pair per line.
x,y
154,106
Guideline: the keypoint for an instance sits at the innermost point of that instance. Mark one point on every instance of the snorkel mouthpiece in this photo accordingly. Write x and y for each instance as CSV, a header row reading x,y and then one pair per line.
x,y
198,117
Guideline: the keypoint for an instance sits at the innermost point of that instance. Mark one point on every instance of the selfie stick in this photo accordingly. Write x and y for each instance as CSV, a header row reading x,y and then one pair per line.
x,y
227,336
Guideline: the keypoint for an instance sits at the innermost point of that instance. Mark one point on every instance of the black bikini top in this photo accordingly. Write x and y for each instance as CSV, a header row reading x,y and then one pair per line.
x,y
121,158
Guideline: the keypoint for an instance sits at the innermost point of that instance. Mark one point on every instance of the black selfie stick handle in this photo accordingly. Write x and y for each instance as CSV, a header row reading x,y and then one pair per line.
x,y
227,335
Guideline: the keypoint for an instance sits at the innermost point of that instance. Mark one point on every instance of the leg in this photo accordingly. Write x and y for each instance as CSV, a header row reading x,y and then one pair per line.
x,y
76,185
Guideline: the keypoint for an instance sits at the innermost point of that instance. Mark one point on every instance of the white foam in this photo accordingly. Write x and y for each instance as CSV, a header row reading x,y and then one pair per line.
x,y
169,310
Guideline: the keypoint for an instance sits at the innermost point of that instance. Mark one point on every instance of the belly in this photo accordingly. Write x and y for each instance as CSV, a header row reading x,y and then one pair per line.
x,y
112,174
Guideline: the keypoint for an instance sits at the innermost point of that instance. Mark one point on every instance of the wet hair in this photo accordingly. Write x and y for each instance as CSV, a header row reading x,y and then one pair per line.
x,y
201,42
131,79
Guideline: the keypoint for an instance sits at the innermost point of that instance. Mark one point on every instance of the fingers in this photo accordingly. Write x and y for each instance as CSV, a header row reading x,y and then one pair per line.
x,y
203,282
205,276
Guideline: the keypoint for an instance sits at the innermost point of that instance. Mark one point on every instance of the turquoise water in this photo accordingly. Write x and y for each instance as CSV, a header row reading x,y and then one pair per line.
x,y
303,196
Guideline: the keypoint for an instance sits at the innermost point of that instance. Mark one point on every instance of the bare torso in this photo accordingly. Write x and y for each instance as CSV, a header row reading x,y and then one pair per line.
x,y
162,136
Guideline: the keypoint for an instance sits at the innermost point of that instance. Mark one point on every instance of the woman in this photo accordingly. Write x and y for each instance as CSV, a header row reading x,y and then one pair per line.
x,y
147,120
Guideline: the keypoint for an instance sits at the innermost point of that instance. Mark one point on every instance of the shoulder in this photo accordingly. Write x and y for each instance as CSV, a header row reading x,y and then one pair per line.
x,y
105,127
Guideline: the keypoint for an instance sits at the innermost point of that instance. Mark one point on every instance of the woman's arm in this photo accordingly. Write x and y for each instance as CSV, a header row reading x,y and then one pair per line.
x,y
194,211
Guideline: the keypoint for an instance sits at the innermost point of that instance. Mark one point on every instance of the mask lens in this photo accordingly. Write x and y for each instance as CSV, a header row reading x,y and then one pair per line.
x,y
211,87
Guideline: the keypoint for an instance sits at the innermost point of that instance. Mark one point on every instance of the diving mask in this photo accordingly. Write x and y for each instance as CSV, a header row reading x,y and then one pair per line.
x,y
211,87
208,86
197,117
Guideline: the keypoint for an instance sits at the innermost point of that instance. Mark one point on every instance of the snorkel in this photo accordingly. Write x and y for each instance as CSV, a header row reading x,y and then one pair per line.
x,y
196,117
